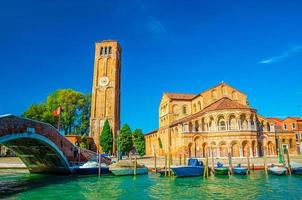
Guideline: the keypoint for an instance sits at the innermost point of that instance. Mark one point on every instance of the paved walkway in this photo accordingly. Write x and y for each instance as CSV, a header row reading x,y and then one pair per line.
x,y
11,163
16,163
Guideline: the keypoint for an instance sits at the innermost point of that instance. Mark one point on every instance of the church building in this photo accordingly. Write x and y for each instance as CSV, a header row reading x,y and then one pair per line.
x,y
218,121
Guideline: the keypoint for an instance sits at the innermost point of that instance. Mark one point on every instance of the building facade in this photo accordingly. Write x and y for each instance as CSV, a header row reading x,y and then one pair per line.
x,y
217,121
105,103
288,125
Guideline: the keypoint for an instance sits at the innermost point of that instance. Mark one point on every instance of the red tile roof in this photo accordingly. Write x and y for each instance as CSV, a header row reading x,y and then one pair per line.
x,y
295,118
224,103
276,120
180,96
221,104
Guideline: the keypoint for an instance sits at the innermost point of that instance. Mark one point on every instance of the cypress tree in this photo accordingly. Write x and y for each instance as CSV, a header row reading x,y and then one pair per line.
x,y
124,141
106,138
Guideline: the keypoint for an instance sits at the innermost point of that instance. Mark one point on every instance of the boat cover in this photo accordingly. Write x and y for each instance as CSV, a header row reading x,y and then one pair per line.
x,y
194,162
219,164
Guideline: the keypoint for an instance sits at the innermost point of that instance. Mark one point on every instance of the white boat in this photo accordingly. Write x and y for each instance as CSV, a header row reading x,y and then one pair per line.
x,y
277,170
92,167
126,167
128,171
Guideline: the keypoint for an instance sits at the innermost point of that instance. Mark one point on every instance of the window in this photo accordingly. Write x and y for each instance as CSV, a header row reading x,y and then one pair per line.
x,y
285,127
234,95
184,110
199,105
214,94
109,51
290,143
297,137
105,50
294,125
102,51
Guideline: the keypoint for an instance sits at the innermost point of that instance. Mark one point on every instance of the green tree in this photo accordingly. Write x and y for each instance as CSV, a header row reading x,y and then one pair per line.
x,y
106,138
85,108
139,142
35,112
75,110
84,142
124,141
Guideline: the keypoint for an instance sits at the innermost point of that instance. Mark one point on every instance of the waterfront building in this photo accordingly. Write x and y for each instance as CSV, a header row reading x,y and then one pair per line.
x,y
105,102
217,121
291,124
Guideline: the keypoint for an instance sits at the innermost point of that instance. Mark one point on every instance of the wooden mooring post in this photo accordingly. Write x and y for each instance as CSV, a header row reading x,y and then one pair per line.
x,y
206,167
212,156
155,168
264,160
134,166
288,162
99,161
230,164
180,159
169,164
248,163
165,164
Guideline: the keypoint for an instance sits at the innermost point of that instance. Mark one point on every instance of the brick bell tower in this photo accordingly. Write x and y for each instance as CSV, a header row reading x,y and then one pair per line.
x,y
105,102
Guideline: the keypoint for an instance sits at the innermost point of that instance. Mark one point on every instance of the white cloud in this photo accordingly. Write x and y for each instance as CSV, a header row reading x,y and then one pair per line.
x,y
153,24
292,51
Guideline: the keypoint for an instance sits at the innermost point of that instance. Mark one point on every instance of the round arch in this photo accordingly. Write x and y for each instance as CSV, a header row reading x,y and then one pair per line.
x,y
39,154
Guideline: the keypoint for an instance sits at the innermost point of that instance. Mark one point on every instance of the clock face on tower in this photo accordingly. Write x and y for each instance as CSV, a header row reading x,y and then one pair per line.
x,y
103,81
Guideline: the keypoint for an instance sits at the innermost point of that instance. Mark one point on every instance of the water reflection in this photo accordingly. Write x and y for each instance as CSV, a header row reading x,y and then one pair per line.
x,y
254,186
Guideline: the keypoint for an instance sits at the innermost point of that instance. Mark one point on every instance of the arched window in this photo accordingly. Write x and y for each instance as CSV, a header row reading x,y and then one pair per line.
x,y
223,90
234,95
109,50
214,94
199,105
102,51
194,107
184,110
233,123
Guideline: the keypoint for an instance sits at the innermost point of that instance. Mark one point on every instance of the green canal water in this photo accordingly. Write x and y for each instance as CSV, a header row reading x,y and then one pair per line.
x,y
22,185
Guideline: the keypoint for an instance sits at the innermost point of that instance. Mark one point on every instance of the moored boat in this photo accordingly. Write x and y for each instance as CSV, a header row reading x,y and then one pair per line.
x,y
221,170
129,171
296,168
194,168
92,167
275,170
240,170
126,167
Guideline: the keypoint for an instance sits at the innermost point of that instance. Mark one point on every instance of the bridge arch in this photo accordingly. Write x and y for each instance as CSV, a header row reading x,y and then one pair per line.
x,y
40,146
38,153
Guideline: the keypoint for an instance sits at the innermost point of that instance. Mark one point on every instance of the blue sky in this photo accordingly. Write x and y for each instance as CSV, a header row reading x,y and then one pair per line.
x,y
168,46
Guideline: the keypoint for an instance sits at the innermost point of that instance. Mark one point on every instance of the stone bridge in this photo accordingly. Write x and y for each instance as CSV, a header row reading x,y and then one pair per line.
x,y
39,145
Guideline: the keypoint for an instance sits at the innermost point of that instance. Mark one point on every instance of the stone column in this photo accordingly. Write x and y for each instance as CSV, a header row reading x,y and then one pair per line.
x,y
251,152
249,125
241,151
218,152
238,125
